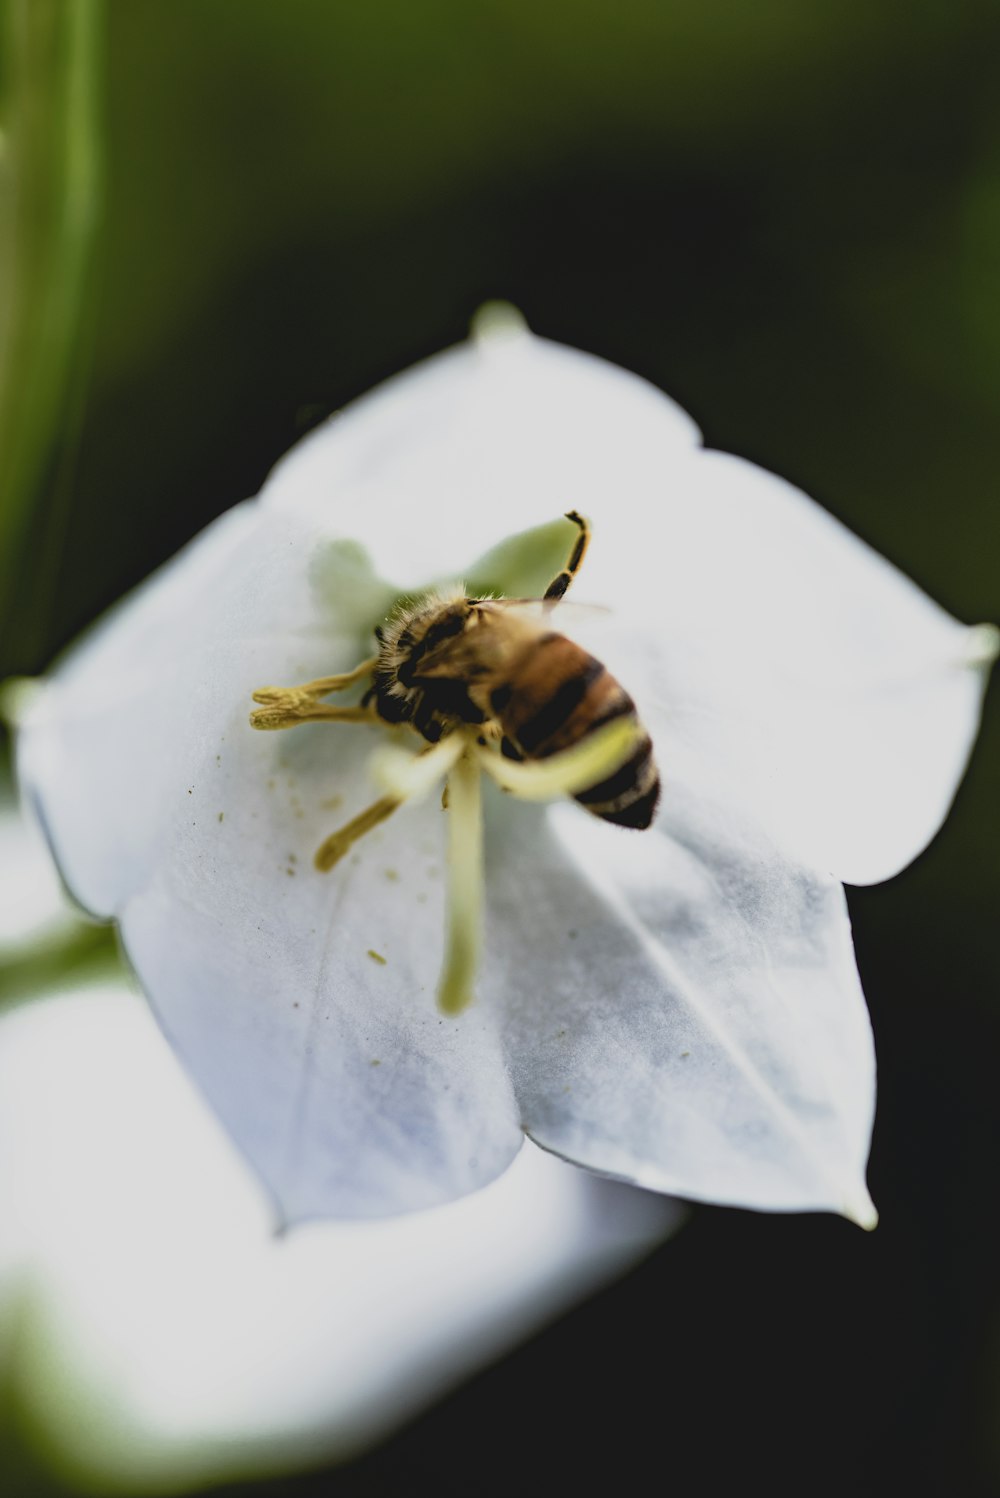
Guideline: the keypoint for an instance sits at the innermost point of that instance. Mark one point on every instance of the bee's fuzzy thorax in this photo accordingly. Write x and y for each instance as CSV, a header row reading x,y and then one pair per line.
x,y
406,626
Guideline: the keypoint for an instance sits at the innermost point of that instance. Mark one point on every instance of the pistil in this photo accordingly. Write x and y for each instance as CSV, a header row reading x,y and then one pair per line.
x,y
464,938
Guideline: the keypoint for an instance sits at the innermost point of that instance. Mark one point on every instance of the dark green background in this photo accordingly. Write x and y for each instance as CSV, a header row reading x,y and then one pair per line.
x,y
787,214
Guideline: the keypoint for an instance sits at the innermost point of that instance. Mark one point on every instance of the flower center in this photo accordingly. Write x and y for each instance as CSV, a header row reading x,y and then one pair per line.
x,y
459,759
463,672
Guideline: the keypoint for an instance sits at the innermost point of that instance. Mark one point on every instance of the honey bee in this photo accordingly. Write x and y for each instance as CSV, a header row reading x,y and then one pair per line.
x,y
450,661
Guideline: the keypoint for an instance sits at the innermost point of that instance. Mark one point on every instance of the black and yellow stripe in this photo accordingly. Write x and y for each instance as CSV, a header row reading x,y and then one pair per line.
x,y
556,696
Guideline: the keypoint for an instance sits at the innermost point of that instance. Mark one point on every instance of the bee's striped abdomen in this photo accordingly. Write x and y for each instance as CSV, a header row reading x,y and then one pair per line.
x,y
556,695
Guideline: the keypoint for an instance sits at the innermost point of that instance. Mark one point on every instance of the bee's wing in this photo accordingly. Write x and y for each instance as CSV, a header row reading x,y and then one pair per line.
x,y
484,652
504,627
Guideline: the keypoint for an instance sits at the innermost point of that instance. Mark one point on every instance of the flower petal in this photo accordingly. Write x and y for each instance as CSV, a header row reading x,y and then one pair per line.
x,y
492,437
688,1015
303,1003
779,659
332,1069
96,747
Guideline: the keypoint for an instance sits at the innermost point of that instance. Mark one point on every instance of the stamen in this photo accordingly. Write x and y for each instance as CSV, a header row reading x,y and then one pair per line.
x,y
587,763
405,777
321,686
284,707
465,884
291,712
338,843
409,777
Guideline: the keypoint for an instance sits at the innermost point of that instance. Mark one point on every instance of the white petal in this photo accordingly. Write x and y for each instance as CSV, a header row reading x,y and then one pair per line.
x,y
687,1014
489,438
303,1003
781,661
167,1337
33,908
141,704
97,747
334,1073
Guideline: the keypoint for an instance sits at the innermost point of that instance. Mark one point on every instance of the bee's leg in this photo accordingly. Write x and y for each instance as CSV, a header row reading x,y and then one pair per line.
x,y
284,707
557,587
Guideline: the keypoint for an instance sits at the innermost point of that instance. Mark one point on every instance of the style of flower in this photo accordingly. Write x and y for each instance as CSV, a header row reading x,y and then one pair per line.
x,y
679,1006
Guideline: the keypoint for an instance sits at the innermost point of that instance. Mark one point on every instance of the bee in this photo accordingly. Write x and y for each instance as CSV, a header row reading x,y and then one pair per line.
x,y
451,661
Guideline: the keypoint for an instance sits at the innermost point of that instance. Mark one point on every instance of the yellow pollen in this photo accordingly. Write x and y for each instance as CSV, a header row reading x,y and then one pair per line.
x,y
284,707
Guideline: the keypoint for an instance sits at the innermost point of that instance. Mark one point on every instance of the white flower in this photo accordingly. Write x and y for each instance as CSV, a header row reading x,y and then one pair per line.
x,y
678,1007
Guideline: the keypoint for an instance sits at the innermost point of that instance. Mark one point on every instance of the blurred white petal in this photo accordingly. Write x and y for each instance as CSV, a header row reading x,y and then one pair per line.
x,y
165,1334
33,907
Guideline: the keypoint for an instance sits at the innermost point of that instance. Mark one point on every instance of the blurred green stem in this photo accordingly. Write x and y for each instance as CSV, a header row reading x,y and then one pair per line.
x,y
78,954
49,213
